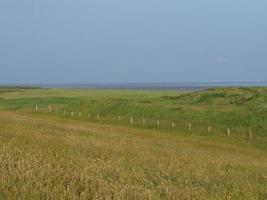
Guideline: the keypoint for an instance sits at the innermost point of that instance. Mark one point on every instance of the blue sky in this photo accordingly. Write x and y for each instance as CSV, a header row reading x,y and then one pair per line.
x,y
87,41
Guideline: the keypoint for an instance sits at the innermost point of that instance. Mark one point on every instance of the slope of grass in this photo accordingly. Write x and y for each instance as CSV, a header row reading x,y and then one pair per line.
x,y
52,158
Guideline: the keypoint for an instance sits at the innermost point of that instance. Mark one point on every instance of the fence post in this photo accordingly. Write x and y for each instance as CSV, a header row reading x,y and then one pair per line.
x,y
50,108
250,133
80,114
131,120
36,108
189,126
144,121
158,123
98,117
119,118
209,129
72,113
173,125
228,131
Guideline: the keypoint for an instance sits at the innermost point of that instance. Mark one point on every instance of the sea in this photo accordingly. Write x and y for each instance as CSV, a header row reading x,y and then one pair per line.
x,y
153,86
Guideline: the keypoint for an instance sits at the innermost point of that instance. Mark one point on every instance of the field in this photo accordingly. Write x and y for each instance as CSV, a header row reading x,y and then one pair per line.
x,y
127,144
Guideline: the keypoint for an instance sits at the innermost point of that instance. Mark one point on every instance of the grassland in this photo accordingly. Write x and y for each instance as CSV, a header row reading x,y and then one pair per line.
x,y
53,155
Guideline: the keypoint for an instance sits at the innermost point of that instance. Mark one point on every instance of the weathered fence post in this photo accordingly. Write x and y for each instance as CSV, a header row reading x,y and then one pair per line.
x,y
72,113
144,121
250,133
132,121
173,125
228,131
158,124
189,126
209,129
50,108
98,117
36,108
119,118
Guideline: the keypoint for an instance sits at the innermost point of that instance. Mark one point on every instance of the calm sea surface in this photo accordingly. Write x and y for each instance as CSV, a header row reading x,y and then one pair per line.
x,y
154,86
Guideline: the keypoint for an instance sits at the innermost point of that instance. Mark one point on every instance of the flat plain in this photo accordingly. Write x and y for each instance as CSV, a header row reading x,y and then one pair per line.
x,y
133,144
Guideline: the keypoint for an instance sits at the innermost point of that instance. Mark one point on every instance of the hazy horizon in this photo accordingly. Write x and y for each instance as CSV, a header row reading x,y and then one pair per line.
x,y
186,86
67,41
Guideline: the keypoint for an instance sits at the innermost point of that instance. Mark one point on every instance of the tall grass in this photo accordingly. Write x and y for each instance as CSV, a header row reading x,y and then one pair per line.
x,y
64,159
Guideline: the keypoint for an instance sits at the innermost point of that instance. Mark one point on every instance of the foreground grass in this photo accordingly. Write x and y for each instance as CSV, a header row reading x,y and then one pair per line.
x,y
49,158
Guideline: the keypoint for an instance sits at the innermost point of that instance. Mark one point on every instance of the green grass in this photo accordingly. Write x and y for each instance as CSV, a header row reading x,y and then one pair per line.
x,y
239,109
47,155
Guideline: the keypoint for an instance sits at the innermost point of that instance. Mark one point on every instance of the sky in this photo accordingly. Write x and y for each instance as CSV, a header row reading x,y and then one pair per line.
x,y
115,41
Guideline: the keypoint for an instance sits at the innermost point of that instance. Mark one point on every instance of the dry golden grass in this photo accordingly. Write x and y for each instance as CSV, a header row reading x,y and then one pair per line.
x,y
49,158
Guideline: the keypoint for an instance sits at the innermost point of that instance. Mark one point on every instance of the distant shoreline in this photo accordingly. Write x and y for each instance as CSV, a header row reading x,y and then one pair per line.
x,y
140,86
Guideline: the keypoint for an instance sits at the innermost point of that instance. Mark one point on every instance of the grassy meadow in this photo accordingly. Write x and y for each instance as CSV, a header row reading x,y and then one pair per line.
x,y
132,144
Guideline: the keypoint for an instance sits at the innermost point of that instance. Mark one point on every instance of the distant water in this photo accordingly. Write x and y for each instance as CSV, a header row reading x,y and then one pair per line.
x,y
155,86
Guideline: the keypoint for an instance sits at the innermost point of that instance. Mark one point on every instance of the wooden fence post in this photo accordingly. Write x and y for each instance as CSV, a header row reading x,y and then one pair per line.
x,y
50,108
228,131
72,113
250,133
173,125
132,121
189,126
98,117
36,108
158,124
209,129
144,121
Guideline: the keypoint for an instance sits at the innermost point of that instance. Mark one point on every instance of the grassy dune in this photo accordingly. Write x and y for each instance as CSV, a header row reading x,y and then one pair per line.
x,y
51,156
